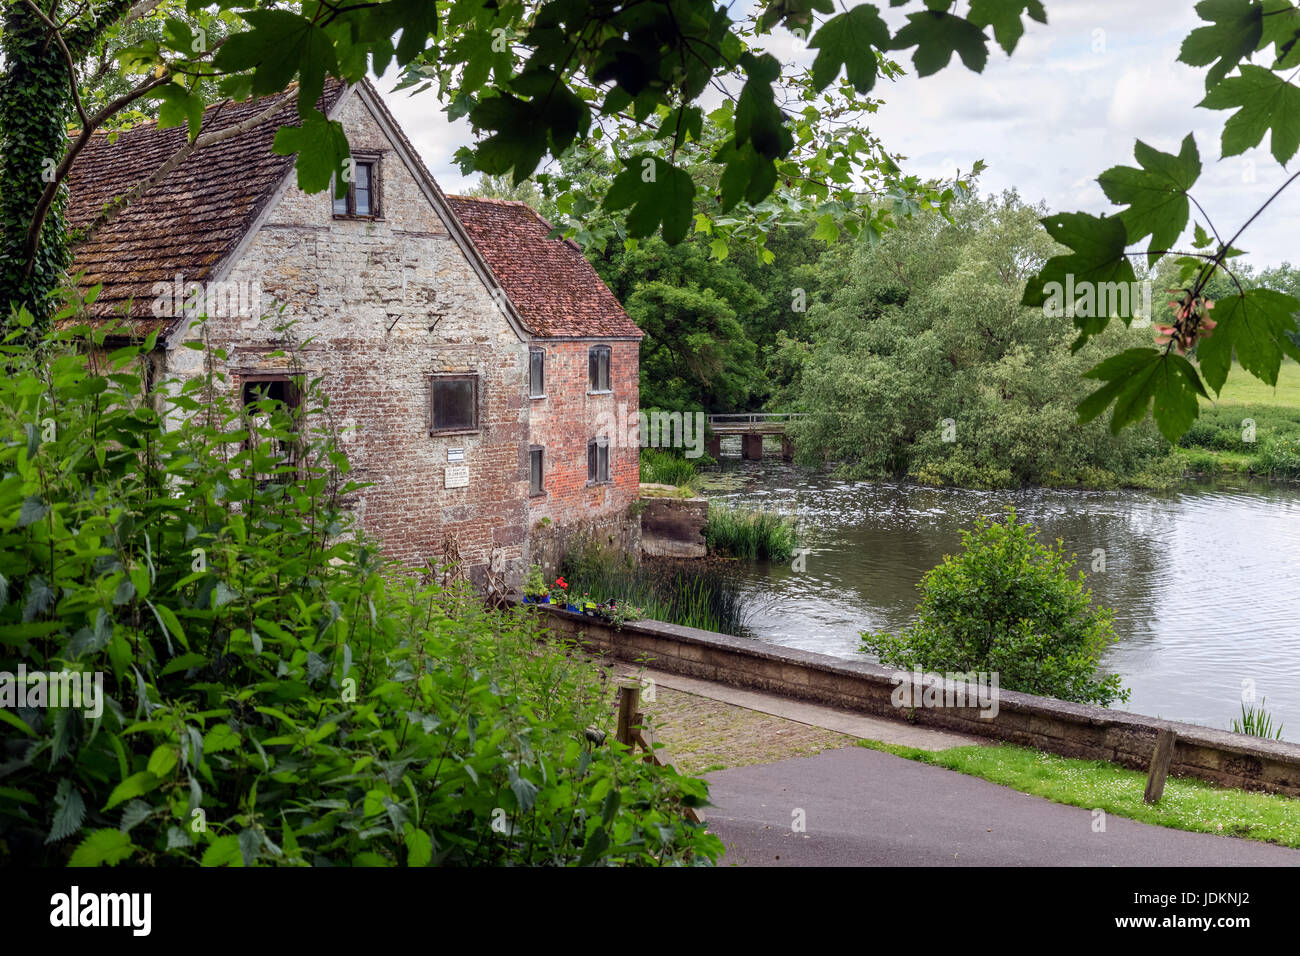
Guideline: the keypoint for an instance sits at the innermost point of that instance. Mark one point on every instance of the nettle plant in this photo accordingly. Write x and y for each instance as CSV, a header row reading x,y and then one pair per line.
x,y
275,693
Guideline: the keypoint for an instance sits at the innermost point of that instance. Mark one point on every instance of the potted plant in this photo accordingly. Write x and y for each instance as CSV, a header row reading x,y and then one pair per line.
x,y
560,594
535,587
622,613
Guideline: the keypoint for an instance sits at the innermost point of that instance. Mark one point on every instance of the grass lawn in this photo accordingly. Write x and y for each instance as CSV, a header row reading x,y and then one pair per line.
x,y
1242,388
1187,804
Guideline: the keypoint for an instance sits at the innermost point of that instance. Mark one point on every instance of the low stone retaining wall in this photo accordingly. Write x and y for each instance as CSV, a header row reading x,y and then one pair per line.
x,y
549,543
674,527
1071,730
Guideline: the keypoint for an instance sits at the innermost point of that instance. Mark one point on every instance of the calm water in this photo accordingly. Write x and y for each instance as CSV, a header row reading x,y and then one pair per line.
x,y
1205,583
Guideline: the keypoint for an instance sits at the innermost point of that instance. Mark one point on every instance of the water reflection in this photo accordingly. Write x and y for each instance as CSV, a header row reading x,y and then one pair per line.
x,y
1204,582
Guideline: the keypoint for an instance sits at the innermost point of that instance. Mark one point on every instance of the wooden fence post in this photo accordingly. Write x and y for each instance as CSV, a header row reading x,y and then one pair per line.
x,y
629,699
1161,757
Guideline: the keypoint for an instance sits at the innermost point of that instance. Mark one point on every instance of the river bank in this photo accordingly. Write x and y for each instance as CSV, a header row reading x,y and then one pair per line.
x,y
1203,578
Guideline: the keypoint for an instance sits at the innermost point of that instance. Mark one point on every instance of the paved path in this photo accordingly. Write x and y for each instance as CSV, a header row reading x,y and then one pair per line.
x,y
815,715
867,808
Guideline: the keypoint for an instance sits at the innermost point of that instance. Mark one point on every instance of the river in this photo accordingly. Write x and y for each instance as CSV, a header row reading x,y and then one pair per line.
x,y
1205,581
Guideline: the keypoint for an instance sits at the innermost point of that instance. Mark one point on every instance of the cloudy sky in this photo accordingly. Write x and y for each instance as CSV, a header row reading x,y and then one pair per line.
x,y
1066,106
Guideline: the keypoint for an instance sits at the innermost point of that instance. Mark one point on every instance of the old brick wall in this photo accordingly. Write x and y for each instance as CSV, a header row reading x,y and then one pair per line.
x,y
564,421
386,304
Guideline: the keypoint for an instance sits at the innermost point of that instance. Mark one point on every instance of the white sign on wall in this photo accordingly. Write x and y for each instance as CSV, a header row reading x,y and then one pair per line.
x,y
455,454
456,476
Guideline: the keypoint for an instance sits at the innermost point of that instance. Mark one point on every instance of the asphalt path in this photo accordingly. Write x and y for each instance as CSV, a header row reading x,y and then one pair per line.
x,y
861,807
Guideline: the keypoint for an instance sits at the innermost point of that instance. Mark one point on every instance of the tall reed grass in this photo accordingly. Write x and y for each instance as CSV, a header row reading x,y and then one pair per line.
x,y
1256,722
689,594
665,468
753,534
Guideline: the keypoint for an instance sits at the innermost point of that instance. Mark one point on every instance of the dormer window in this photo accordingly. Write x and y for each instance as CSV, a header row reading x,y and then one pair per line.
x,y
362,199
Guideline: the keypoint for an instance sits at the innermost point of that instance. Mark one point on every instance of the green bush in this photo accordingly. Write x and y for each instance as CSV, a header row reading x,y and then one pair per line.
x,y
1278,457
753,534
275,693
1011,605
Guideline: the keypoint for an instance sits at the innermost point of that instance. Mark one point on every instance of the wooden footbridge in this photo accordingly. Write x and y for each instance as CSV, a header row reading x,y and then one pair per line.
x,y
751,427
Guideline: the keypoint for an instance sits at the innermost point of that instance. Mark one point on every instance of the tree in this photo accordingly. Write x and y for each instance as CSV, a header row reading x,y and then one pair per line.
x,y
502,187
1010,605
697,353
534,78
923,361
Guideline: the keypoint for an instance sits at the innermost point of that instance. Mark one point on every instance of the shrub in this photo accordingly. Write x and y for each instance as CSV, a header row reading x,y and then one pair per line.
x,y
754,534
1011,605
274,692
1278,457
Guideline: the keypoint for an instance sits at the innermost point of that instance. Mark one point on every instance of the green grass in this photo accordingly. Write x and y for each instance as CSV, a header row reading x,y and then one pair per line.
x,y
1187,804
753,534
1242,388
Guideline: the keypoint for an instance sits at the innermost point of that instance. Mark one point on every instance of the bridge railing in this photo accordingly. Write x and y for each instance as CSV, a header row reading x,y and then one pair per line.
x,y
753,418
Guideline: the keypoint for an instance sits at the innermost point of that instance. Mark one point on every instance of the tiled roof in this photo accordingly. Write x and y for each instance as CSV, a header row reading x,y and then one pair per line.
x,y
552,285
187,223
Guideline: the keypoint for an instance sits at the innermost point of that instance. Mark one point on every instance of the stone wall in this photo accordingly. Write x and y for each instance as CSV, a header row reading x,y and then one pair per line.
x,y
386,304
1071,730
549,543
674,527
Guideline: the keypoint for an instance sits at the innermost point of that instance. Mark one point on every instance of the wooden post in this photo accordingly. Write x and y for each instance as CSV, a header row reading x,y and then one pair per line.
x,y
629,698
1161,757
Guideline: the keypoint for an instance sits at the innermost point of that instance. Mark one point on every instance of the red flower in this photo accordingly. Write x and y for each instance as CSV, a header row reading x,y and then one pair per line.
x,y
561,583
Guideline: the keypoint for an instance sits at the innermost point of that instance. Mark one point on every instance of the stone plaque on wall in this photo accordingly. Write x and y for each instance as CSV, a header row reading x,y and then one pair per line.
x,y
456,476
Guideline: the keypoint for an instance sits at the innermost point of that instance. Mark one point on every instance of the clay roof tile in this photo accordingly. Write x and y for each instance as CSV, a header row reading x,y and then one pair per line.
x,y
551,283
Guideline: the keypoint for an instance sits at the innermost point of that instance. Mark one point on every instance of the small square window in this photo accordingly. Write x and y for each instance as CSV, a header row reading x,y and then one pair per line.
x,y
455,403
535,486
597,461
536,373
362,198
598,368
262,395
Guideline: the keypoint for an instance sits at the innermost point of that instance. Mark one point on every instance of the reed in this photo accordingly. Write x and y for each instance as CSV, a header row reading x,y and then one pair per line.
x,y
665,468
678,593
1256,722
753,534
